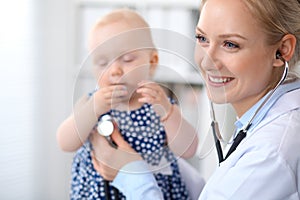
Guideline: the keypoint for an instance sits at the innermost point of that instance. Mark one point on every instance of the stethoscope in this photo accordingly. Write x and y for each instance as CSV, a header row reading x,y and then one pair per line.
x,y
105,127
243,132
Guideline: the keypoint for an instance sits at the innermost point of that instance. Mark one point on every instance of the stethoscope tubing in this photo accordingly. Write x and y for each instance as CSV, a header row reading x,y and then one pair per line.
x,y
243,132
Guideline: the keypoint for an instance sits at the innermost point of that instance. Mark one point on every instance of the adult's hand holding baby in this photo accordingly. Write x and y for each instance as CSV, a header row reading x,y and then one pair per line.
x,y
108,160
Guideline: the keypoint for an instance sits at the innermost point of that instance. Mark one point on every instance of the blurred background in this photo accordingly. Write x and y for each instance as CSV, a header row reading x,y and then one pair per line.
x,y
42,50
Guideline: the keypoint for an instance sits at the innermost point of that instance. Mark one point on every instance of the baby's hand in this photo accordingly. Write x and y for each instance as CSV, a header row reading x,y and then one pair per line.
x,y
154,94
107,98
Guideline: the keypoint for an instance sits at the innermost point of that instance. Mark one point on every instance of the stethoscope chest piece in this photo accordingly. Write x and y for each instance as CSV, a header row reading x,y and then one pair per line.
x,y
105,126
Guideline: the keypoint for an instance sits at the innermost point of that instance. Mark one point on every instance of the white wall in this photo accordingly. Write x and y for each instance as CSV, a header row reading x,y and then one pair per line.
x,y
36,51
55,43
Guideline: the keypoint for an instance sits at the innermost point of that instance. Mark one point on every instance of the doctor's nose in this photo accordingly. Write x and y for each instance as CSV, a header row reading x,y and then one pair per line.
x,y
207,63
211,60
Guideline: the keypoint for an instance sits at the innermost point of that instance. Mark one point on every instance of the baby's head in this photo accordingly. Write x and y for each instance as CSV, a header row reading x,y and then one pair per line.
x,y
122,49
116,22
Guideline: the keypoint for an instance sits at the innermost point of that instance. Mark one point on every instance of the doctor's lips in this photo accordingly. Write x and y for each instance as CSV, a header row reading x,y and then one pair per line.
x,y
219,79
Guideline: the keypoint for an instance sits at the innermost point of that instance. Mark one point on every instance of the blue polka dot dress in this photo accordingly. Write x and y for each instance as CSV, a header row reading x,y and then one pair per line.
x,y
143,130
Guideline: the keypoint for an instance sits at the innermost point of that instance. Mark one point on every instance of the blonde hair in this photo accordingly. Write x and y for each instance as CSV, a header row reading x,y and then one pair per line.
x,y
277,18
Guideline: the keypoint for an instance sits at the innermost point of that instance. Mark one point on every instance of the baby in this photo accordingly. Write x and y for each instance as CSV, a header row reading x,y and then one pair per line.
x,y
124,60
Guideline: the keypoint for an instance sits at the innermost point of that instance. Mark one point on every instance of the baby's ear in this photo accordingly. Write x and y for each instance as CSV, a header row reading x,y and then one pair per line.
x,y
153,61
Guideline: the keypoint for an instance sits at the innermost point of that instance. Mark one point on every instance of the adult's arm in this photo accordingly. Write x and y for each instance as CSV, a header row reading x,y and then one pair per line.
x,y
122,165
136,182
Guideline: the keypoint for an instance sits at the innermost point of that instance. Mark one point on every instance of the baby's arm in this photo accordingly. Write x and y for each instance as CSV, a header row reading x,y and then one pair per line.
x,y
74,131
182,137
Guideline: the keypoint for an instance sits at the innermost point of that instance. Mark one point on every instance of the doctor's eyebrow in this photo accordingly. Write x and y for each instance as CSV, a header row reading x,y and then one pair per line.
x,y
227,35
199,30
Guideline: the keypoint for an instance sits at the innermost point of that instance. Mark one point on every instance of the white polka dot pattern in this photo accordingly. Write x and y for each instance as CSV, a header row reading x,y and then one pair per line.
x,y
143,130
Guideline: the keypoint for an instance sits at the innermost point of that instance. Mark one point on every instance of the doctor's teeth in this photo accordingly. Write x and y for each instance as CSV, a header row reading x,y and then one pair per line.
x,y
219,80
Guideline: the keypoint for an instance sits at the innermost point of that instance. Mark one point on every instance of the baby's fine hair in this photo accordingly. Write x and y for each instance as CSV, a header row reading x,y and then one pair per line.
x,y
133,19
129,16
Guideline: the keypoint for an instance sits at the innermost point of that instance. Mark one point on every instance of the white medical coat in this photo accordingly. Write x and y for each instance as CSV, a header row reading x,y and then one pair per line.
x,y
266,165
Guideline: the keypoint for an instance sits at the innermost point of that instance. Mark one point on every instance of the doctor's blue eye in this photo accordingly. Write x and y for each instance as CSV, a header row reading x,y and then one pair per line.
x,y
200,38
230,45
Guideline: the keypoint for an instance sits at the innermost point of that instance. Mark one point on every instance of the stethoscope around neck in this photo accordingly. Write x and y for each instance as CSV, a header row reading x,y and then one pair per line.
x,y
243,132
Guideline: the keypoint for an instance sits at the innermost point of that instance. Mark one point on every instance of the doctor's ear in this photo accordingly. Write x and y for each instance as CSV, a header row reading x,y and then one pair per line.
x,y
285,50
278,55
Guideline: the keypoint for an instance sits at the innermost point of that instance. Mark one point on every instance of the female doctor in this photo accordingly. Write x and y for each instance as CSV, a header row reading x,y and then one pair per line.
x,y
247,52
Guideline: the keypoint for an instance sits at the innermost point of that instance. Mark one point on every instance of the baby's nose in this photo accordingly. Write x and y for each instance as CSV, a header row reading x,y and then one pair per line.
x,y
115,73
116,69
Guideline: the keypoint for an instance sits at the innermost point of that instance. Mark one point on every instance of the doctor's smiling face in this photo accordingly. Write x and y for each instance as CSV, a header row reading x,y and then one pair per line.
x,y
233,55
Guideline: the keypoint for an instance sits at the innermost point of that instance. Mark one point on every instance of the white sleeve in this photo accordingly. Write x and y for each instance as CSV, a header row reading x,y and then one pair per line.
x,y
192,178
136,182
